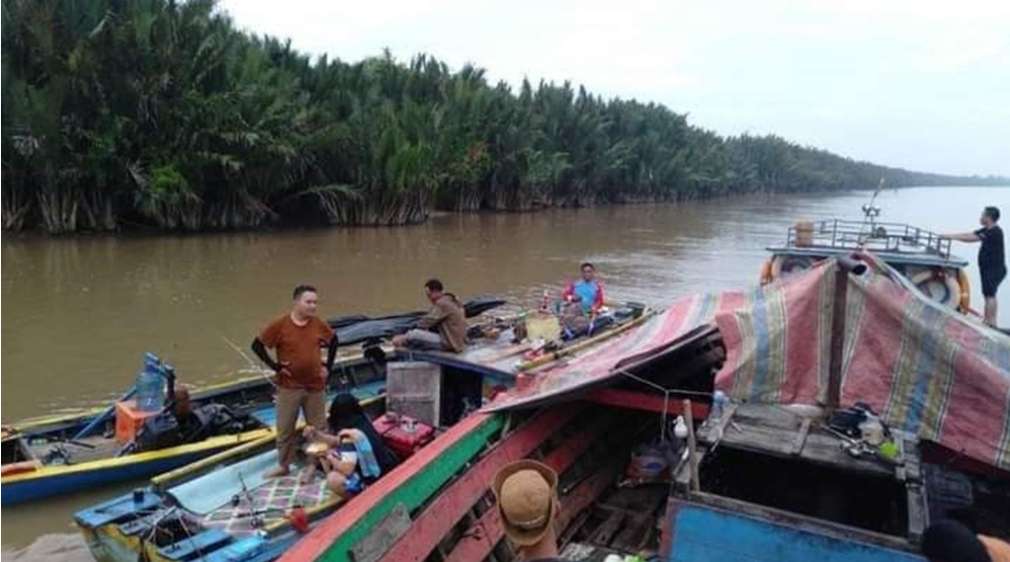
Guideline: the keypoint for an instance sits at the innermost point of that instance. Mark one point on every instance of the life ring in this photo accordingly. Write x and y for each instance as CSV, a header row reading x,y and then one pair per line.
x,y
786,265
937,284
962,281
766,272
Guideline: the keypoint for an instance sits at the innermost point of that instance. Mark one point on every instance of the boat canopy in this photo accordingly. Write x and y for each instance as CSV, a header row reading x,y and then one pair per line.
x,y
923,367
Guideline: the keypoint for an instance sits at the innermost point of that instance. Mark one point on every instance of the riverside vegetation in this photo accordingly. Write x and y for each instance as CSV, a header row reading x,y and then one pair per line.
x,y
153,113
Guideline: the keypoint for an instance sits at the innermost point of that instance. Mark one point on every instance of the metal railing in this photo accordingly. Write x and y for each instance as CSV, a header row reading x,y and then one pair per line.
x,y
877,236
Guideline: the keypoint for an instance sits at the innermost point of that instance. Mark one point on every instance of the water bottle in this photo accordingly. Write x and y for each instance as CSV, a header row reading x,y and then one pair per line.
x,y
367,462
679,435
719,401
150,385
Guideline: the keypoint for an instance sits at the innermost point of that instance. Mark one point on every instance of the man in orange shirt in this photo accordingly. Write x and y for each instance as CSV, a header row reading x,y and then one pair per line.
x,y
297,338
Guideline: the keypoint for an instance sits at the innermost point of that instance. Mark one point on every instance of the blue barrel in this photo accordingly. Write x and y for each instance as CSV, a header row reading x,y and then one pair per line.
x,y
150,385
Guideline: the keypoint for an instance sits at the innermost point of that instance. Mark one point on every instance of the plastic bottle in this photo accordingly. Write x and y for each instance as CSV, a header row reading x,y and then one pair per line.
x,y
367,462
719,401
680,428
546,304
150,385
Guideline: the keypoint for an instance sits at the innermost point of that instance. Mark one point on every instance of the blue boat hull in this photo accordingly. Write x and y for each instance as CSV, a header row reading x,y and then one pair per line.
x,y
14,493
698,533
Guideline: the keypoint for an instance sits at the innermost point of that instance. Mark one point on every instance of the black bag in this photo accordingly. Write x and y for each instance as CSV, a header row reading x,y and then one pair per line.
x,y
158,432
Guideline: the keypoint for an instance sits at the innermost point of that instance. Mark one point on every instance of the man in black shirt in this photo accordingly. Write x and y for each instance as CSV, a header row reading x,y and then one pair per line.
x,y
991,258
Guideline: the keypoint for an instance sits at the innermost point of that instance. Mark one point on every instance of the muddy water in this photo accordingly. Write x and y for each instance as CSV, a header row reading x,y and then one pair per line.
x,y
79,313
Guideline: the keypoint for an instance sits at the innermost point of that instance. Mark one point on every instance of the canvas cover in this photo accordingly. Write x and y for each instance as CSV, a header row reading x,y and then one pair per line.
x,y
925,368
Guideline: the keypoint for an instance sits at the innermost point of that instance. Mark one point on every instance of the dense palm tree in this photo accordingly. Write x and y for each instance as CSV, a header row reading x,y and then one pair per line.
x,y
160,113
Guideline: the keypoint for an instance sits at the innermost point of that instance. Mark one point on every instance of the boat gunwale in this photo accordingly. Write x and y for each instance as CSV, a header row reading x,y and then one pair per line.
x,y
36,425
218,441
889,256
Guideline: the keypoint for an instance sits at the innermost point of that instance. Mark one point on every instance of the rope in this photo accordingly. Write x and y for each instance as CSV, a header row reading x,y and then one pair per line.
x,y
666,398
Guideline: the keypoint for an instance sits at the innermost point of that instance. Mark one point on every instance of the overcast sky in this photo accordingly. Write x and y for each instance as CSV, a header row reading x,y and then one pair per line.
x,y
919,84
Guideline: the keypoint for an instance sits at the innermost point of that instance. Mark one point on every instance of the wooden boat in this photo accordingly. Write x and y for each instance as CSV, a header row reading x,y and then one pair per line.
x,y
762,484
223,508
41,458
920,255
122,528
754,481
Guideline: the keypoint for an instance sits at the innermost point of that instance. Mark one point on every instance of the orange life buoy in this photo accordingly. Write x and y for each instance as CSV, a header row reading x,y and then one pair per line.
x,y
962,281
766,272
936,284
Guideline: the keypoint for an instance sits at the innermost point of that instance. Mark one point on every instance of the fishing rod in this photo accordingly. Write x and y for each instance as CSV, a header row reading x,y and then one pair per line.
x,y
253,366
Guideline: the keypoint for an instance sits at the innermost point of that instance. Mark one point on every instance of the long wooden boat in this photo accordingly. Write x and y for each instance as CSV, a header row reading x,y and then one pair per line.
x,y
924,257
118,529
41,458
222,508
767,486
757,480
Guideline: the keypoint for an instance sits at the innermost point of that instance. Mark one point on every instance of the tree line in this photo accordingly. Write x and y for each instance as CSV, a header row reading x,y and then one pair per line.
x,y
156,113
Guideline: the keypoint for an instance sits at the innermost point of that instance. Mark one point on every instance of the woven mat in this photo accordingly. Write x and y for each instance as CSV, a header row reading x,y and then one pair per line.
x,y
270,502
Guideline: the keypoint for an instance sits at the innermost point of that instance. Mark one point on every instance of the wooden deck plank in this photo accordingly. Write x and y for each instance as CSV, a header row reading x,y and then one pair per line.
x,y
481,537
410,483
773,430
451,505
801,437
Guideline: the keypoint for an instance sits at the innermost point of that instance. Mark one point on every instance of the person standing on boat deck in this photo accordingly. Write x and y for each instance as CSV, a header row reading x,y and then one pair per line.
x,y
991,258
297,338
526,494
587,291
446,317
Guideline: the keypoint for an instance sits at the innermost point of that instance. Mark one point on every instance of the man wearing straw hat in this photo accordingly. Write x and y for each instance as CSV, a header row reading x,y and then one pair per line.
x,y
527,501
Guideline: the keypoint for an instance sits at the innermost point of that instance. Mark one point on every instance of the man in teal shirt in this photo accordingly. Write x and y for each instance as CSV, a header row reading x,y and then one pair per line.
x,y
588,292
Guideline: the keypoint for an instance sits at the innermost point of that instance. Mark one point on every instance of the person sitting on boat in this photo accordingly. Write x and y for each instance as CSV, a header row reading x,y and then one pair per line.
x,y
527,502
443,328
587,291
951,541
991,257
301,376
357,455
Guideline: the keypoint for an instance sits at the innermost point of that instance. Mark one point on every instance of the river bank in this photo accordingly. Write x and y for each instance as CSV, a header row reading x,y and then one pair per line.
x,y
179,137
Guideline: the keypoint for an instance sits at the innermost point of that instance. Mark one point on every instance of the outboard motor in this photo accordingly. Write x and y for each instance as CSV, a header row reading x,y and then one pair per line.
x,y
158,432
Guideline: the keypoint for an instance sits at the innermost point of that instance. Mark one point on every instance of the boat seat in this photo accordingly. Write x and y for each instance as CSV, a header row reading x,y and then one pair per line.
x,y
190,547
216,488
117,509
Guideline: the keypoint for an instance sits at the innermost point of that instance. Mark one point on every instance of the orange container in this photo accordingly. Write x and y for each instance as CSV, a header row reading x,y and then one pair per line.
x,y
129,420
804,233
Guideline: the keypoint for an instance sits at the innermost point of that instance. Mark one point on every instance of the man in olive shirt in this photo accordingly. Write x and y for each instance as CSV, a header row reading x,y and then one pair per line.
x,y
991,258
446,318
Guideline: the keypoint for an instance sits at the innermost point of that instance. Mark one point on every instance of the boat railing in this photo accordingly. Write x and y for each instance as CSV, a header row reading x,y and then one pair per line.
x,y
877,236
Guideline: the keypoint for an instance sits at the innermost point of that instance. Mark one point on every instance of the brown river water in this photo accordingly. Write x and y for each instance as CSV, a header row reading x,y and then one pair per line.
x,y
79,312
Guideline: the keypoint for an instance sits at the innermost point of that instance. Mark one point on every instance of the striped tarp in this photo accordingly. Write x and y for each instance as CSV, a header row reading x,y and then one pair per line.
x,y
925,368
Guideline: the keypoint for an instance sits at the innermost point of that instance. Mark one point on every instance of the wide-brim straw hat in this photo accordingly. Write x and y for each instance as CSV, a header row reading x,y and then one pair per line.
x,y
527,507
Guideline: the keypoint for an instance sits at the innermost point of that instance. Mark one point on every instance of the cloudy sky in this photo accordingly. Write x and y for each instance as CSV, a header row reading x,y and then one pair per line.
x,y
920,84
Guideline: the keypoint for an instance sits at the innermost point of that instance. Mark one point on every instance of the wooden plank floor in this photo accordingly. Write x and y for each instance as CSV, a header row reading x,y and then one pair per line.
x,y
776,431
